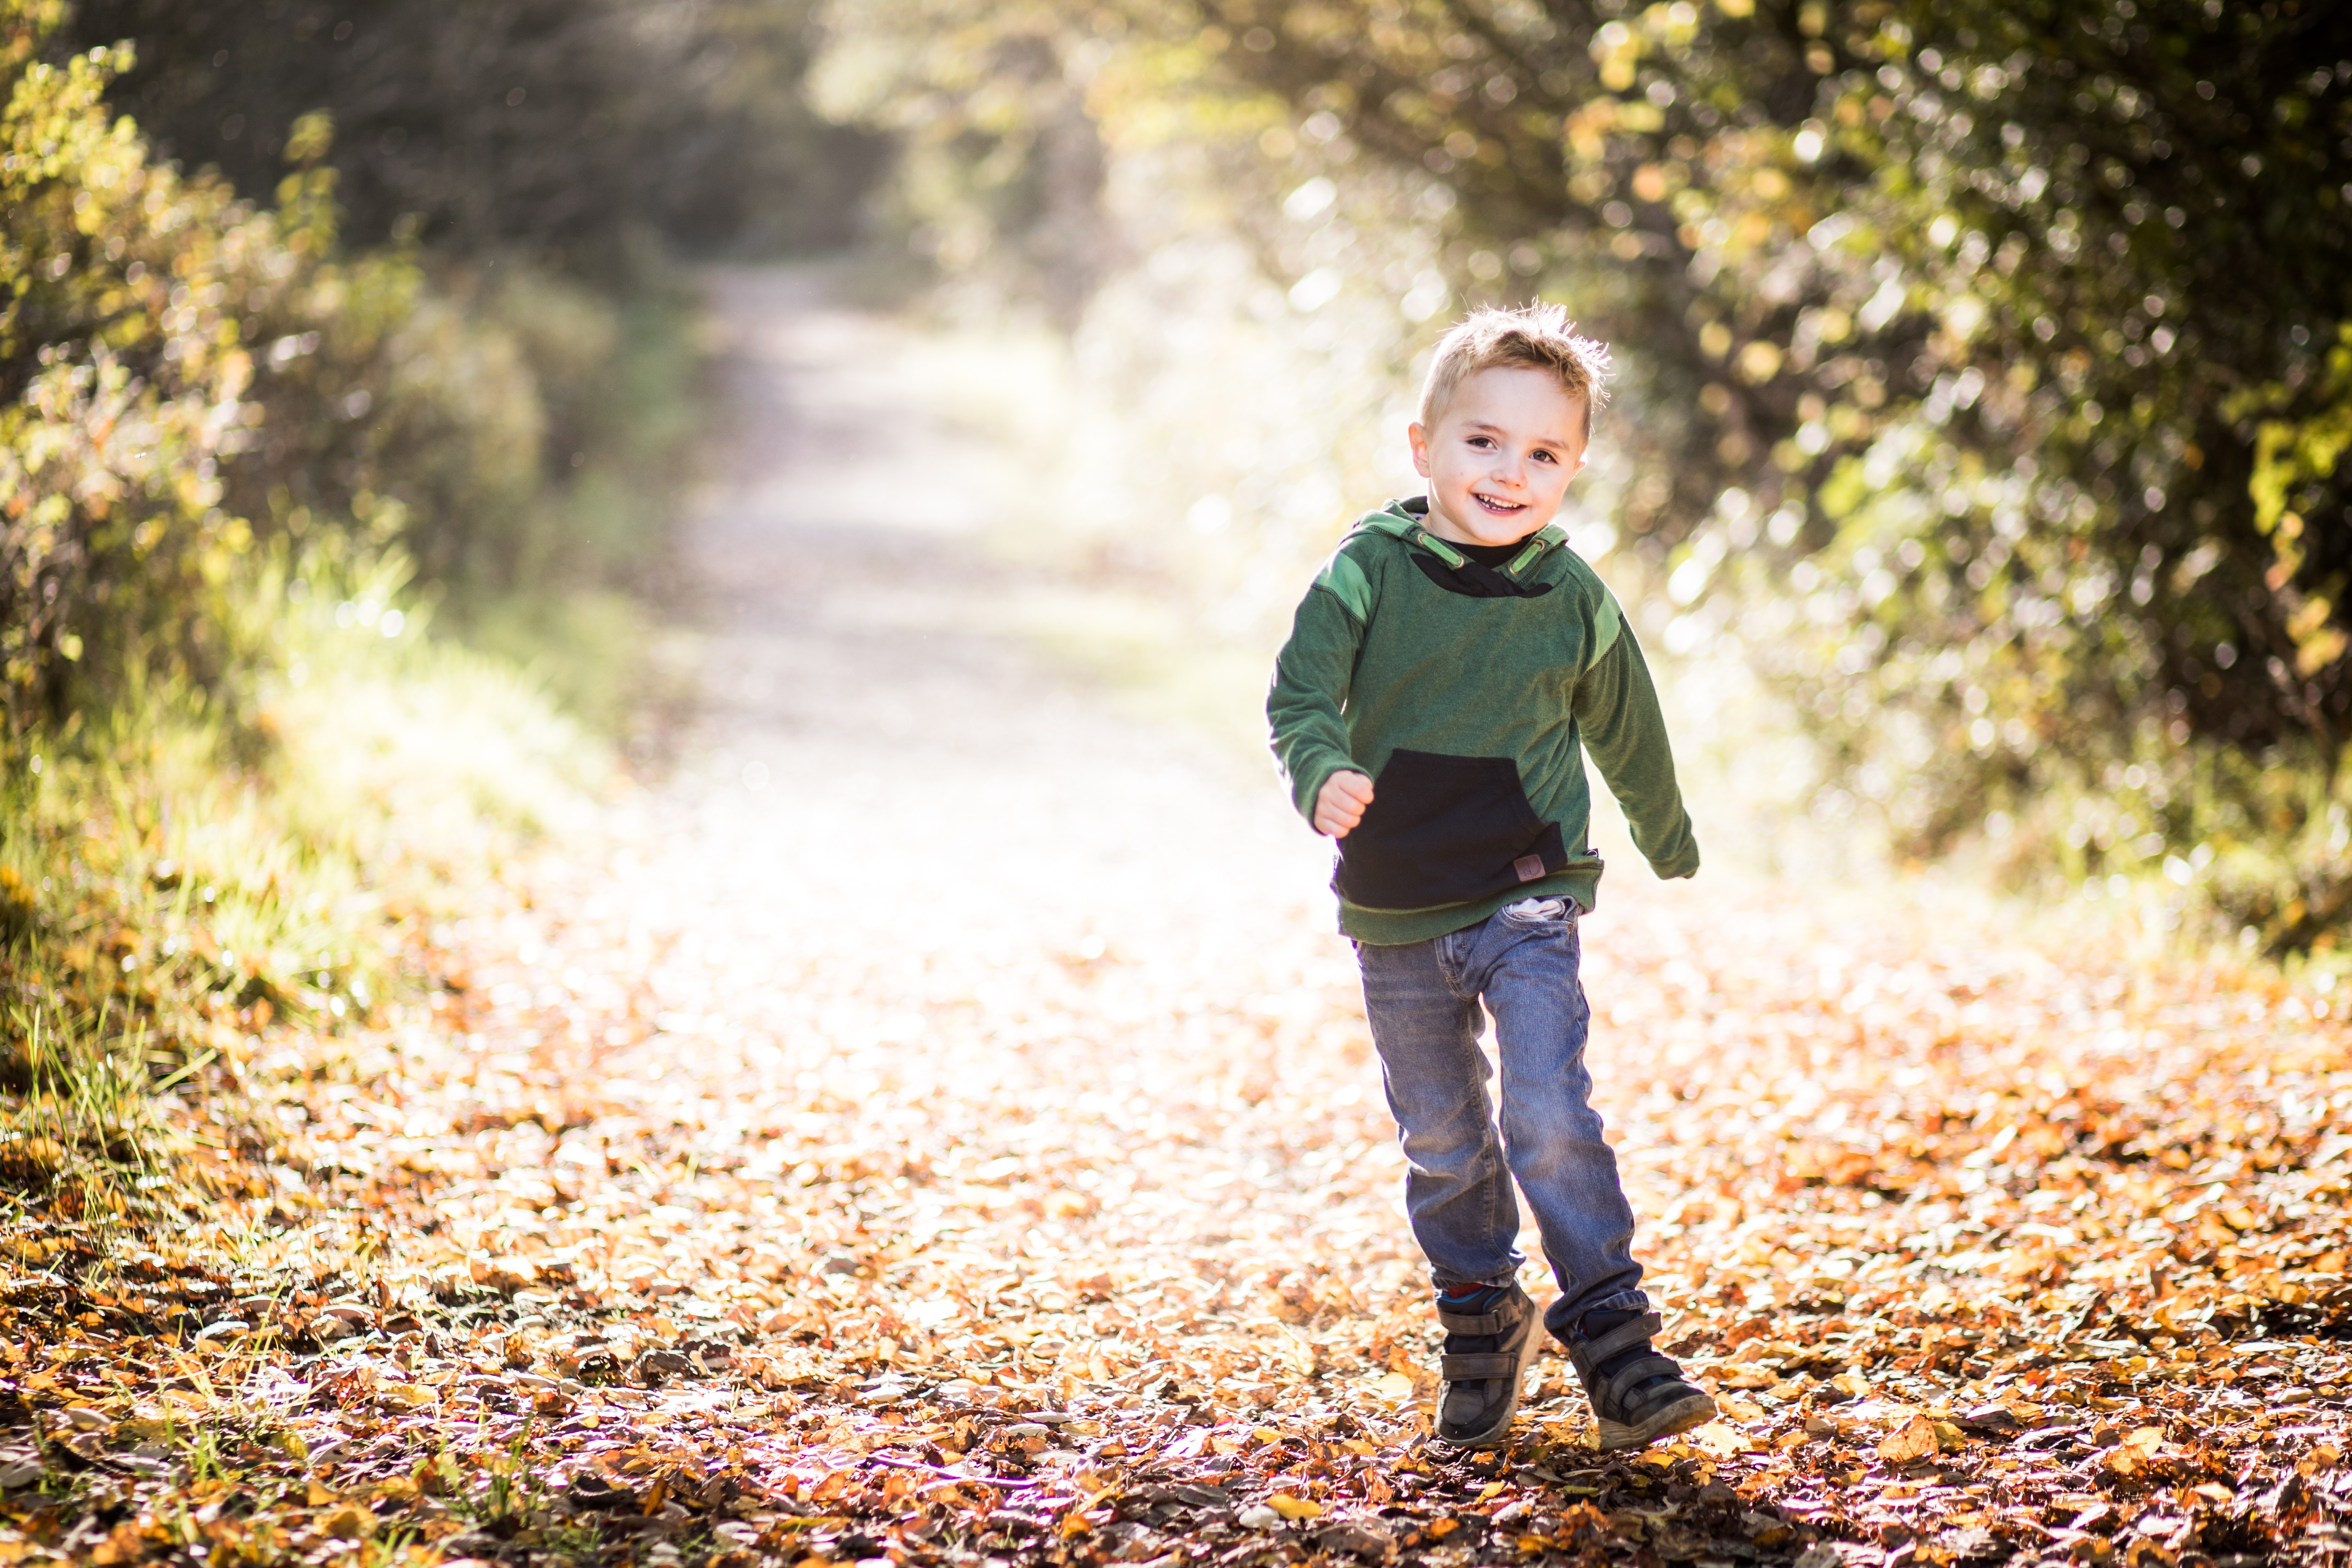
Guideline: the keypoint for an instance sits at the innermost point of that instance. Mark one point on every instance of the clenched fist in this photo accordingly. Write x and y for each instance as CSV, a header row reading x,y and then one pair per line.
x,y
1340,804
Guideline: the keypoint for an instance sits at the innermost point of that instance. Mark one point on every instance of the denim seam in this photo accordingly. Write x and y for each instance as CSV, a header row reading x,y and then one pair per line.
x,y
1449,963
1497,1183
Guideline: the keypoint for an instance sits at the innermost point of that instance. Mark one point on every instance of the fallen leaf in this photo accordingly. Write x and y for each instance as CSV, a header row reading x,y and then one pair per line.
x,y
1719,1438
350,1522
1914,1440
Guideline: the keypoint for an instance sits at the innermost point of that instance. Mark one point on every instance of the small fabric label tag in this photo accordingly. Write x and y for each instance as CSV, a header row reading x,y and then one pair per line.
x,y
1528,867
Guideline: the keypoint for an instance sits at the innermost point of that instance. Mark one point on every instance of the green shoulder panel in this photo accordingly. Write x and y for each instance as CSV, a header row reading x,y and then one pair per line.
x,y
1607,622
1608,619
1394,525
1345,581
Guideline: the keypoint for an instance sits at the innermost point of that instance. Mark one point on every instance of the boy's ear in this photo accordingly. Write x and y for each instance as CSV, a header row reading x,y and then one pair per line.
x,y
1419,437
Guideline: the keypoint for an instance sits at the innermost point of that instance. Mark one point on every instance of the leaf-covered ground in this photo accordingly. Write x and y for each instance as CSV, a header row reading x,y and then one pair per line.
x,y
938,1128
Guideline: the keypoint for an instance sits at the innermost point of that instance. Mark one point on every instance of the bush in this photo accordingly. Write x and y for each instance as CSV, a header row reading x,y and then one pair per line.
x,y
185,376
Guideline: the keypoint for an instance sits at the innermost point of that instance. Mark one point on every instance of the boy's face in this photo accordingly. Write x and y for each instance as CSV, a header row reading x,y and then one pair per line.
x,y
1499,457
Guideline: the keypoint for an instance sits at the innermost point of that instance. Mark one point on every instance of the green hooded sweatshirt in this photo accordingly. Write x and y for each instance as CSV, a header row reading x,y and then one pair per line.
x,y
1469,695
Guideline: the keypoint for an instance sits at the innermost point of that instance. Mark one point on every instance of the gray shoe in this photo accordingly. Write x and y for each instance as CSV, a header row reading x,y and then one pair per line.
x,y
1638,1396
1486,1361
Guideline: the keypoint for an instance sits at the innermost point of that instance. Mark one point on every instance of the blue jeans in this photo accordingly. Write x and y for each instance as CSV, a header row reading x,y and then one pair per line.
x,y
1422,1001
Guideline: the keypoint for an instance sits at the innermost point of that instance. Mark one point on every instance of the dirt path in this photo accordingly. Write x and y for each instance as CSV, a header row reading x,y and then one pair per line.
x,y
938,1126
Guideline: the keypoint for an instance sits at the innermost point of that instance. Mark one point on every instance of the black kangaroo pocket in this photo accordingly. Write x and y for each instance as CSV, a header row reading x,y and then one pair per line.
x,y
1445,830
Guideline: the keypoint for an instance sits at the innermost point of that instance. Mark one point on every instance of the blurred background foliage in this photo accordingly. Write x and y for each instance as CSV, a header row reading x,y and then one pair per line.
x,y
318,324
1988,383
587,128
403,271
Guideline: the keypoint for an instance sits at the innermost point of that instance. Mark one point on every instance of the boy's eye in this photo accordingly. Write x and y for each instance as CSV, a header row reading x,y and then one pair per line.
x,y
1543,456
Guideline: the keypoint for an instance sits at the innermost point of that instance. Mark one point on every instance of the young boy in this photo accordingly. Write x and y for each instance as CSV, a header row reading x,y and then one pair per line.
x,y
1444,676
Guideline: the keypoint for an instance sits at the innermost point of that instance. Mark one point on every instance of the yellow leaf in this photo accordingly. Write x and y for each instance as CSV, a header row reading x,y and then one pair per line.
x,y
1442,1526
1394,1386
351,1521
1294,1508
1490,1492
1719,1438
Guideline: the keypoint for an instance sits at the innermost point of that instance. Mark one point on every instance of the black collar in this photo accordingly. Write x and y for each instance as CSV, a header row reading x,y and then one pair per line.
x,y
1451,569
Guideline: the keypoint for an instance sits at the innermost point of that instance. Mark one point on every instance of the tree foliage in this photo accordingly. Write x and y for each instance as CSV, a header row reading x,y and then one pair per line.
x,y
185,374
122,364
997,148
540,125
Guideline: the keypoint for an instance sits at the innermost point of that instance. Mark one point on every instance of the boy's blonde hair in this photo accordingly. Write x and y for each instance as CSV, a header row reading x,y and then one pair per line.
x,y
1536,336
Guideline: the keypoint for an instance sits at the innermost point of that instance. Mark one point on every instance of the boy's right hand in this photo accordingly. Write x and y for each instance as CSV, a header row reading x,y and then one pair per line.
x,y
1340,804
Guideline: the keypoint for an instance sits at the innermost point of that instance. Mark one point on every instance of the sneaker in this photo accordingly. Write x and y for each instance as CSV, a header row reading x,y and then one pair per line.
x,y
1638,1396
1491,1340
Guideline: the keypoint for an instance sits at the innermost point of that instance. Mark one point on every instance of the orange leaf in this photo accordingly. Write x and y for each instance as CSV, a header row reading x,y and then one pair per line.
x,y
1909,1443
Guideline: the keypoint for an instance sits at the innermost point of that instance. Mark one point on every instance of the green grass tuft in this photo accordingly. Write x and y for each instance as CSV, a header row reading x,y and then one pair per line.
x,y
186,871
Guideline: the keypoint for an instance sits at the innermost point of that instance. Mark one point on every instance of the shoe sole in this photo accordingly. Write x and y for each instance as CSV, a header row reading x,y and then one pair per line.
x,y
1495,1437
1683,1415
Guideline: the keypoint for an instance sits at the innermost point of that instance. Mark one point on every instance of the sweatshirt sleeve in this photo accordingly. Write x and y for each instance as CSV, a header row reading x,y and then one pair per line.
x,y
1311,676
1617,714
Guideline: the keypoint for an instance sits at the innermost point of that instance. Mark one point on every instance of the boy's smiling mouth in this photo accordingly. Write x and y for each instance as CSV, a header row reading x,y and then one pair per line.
x,y
1499,506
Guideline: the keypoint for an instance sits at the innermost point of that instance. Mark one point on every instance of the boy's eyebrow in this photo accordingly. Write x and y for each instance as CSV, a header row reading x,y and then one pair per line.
x,y
1498,430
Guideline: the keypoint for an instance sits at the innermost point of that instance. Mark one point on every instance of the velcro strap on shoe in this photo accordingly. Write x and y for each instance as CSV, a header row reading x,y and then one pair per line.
x,y
1589,1353
1477,1368
1483,1324
1640,1370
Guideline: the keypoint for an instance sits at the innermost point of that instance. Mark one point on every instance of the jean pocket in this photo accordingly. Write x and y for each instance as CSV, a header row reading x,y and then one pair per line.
x,y
1445,830
1541,911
